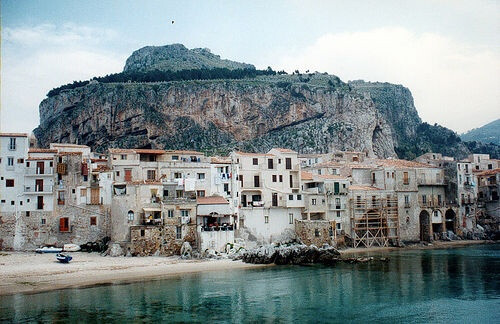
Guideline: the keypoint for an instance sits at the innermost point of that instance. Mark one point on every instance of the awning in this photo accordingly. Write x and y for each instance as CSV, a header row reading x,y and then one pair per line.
x,y
151,209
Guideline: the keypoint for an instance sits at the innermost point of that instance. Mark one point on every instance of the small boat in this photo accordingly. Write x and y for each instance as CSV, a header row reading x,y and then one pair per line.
x,y
63,258
71,248
47,249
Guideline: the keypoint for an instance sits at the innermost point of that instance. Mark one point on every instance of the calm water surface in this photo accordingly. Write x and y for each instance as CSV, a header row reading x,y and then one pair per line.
x,y
454,285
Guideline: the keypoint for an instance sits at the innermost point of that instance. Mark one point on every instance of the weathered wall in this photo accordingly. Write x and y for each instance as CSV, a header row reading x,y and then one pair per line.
x,y
315,232
160,239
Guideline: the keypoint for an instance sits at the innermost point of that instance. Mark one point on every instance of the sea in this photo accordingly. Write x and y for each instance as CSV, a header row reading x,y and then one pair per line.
x,y
458,285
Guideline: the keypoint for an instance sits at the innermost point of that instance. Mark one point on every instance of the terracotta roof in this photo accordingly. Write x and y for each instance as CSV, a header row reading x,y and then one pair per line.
x,y
41,150
183,152
144,182
45,158
252,154
211,200
100,168
402,164
118,150
332,176
68,145
221,160
488,172
13,135
149,151
70,153
304,175
284,150
358,187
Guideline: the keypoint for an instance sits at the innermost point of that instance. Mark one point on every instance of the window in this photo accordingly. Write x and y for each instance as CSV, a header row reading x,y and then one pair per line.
x,y
279,161
299,197
200,193
290,218
179,193
281,178
130,215
266,219
256,181
226,187
407,200
288,163
93,221
339,226
27,213
20,161
316,232
201,176
405,178
123,156
290,197
175,157
490,166
185,212
424,199
73,191
60,197
64,224
10,161
44,221
177,175
151,175
178,232
2,201
117,173
313,201
255,161
9,182
12,202
170,213
12,144
338,213
270,163
373,177
143,232
274,178
388,175
275,199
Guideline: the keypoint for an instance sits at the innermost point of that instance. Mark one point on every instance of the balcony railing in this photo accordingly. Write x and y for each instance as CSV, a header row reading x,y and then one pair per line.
x,y
38,171
35,189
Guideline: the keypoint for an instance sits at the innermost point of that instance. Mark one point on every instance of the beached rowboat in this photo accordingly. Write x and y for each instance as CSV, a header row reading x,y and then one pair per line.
x,y
63,258
46,249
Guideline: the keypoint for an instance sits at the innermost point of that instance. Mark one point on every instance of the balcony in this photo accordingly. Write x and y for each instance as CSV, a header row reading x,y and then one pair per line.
x,y
431,203
46,189
468,201
39,172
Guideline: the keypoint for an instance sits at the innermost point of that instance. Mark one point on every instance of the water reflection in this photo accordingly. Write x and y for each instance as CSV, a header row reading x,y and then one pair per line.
x,y
418,286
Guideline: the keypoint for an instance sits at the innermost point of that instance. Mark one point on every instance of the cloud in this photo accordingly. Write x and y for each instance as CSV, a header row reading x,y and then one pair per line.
x,y
453,84
37,59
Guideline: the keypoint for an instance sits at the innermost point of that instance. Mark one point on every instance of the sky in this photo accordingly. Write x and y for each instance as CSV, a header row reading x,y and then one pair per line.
x,y
446,52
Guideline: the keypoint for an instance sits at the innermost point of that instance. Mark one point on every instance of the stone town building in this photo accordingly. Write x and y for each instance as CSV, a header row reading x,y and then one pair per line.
x,y
488,197
270,192
50,208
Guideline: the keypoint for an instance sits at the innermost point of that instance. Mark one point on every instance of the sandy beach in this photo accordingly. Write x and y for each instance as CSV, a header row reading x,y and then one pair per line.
x,y
27,272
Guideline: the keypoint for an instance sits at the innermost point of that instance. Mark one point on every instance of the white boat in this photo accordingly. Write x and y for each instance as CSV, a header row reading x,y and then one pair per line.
x,y
71,247
46,249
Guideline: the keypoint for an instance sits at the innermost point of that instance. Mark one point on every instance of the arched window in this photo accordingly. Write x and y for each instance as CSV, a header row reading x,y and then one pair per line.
x,y
130,215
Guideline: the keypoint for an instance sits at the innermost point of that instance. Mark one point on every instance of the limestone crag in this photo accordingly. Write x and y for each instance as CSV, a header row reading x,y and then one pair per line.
x,y
307,115
177,57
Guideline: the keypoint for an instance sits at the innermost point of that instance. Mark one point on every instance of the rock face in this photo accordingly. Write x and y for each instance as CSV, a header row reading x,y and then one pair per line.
x,y
293,254
312,114
177,57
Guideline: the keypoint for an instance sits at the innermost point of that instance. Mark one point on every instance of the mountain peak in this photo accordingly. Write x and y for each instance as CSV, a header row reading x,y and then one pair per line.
x,y
176,57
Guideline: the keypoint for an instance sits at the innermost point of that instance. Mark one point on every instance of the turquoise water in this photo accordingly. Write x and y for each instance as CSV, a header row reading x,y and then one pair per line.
x,y
443,286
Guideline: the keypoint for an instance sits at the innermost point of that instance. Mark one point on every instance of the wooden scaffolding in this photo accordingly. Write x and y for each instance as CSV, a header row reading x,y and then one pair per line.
x,y
374,221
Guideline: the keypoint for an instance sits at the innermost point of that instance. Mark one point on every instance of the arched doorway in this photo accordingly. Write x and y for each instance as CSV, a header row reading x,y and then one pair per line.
x,y
425,226
450,218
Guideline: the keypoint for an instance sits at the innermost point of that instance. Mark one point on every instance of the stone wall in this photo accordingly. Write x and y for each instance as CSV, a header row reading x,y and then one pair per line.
x,y
315,232
150,240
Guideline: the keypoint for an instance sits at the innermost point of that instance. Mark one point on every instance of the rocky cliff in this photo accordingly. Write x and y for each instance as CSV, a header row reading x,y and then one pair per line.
x,y
238,108
314,114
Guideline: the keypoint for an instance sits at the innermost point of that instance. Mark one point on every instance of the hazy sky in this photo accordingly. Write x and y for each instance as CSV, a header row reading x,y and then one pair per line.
x,y
446,52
